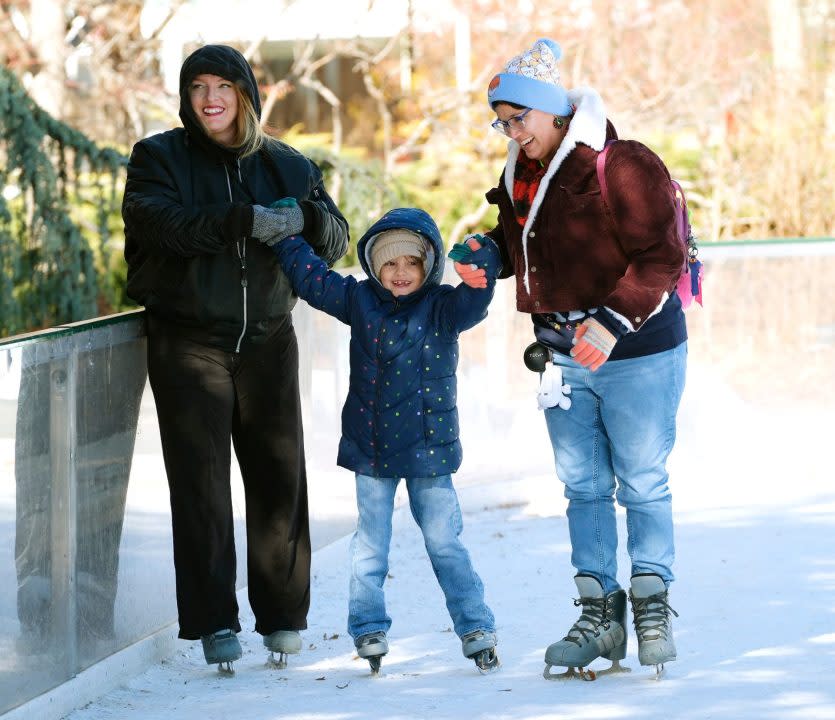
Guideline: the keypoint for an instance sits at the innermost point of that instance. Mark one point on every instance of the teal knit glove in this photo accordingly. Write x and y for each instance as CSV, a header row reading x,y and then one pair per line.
x,y
462,250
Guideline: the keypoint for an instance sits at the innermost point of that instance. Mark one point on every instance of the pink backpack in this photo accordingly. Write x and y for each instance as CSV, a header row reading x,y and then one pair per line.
x,y
689,286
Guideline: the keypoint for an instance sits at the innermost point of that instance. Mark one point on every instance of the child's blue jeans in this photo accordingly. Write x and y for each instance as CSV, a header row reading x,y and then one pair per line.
x,y
434,506
614,441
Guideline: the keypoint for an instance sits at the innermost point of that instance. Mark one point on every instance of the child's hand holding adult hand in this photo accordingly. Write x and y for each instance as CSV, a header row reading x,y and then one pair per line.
x,y
470,273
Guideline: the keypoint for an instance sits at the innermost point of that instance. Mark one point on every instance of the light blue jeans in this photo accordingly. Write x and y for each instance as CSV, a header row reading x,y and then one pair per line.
x,y
434,506
614,441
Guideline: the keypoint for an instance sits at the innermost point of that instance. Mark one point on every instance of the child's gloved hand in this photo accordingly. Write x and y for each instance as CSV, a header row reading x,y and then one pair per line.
x,y
487,256
472,257
461,251
552,392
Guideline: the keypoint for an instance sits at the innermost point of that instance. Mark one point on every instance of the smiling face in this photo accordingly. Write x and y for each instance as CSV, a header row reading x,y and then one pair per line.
x,y
538,137
215,103
402,275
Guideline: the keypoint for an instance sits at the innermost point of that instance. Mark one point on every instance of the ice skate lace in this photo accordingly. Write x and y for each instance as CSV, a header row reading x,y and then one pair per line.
x,y
651,616
593,617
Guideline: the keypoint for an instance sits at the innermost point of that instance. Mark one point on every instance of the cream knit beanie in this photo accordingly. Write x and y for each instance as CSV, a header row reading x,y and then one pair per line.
x,y
390,244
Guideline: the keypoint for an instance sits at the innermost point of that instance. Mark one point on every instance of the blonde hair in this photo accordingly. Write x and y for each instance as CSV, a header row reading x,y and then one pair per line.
x,y
250,135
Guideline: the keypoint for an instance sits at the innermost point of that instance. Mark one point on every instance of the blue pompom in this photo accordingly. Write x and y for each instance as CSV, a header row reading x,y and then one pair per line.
x,y
553,44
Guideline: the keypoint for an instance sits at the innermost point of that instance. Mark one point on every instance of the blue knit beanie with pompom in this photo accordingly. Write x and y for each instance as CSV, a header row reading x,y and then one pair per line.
x,y
532,80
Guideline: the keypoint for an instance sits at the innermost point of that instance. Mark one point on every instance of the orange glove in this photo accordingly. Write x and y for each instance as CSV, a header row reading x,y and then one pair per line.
x,y
593,344
470,274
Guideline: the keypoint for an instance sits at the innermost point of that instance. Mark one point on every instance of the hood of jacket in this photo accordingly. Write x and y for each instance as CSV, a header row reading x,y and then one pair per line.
x,y
225,62
418,221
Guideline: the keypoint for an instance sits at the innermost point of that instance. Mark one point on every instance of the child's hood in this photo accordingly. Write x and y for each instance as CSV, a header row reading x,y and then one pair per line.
x,y
413,219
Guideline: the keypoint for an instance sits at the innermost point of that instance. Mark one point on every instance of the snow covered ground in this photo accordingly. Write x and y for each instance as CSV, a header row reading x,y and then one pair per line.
x,y
755,515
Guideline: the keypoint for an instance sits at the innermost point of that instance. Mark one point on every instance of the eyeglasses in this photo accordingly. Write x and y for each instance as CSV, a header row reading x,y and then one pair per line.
x,y
517,122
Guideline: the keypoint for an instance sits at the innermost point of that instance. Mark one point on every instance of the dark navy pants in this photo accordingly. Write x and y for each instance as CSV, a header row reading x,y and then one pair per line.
x,y
206,397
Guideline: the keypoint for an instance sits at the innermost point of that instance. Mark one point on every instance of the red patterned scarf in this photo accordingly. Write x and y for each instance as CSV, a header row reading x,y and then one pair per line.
x,y
526,178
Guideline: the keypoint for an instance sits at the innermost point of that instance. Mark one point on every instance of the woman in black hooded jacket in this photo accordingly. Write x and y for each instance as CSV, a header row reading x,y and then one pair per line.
x,y
220,333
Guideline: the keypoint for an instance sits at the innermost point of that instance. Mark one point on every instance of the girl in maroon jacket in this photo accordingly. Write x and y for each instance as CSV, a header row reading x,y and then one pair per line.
x,y
598,282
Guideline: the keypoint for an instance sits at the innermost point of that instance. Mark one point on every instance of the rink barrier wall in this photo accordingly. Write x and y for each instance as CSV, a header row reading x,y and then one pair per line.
x,y
84,516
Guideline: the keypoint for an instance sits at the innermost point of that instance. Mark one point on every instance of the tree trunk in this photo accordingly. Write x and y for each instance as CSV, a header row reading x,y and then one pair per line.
x,y
786,47
48,28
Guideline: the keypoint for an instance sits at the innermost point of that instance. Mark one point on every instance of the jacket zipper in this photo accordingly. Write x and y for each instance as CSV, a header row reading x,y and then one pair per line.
x,y
378,400
375,436
240,245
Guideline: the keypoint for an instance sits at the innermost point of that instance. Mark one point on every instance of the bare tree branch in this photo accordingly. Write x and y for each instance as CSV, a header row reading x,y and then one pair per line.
x,y
468,222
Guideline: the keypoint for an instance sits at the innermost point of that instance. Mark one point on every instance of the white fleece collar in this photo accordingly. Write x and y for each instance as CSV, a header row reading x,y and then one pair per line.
x,y
588,126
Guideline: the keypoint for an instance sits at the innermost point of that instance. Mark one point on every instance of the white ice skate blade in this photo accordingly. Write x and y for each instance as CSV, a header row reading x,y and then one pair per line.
x,y
489,670
488,664
614,669
569,674
375,664
281,663
584,673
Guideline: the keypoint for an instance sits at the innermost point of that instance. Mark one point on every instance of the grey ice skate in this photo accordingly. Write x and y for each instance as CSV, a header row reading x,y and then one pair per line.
x,y
372,647
480,647
653,625
599,632
222,648
283,642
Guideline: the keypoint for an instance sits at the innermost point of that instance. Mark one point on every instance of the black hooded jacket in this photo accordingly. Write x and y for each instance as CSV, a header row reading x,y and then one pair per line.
x,y
188,214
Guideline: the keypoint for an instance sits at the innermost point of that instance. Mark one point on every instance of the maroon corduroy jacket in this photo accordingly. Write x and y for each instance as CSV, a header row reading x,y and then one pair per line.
x,y
580,256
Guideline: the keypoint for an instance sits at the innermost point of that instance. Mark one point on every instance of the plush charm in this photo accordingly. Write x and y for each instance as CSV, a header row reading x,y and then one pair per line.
x,y
552,392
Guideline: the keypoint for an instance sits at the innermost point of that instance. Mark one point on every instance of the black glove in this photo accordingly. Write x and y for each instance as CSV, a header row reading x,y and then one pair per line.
x,y
270,225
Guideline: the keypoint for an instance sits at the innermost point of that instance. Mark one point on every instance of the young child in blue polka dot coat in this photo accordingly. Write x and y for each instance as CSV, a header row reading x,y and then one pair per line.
x,y
400,419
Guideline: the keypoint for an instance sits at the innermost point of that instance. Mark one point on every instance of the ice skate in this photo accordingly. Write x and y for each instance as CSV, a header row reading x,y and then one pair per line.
x,y
283,642
599,632
653,626
480,647
372,647
222,648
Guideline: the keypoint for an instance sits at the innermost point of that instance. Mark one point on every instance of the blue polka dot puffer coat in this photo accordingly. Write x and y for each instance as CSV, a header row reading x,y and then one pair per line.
x,y
400,417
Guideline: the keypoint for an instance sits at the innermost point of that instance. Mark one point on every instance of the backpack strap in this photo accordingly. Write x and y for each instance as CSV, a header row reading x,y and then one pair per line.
x,y
601,180
682,216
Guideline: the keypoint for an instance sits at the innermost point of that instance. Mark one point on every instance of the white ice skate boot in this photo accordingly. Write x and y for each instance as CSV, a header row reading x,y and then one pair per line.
x,y
480,647
372,647
599,632
653,626
222,648
283,642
